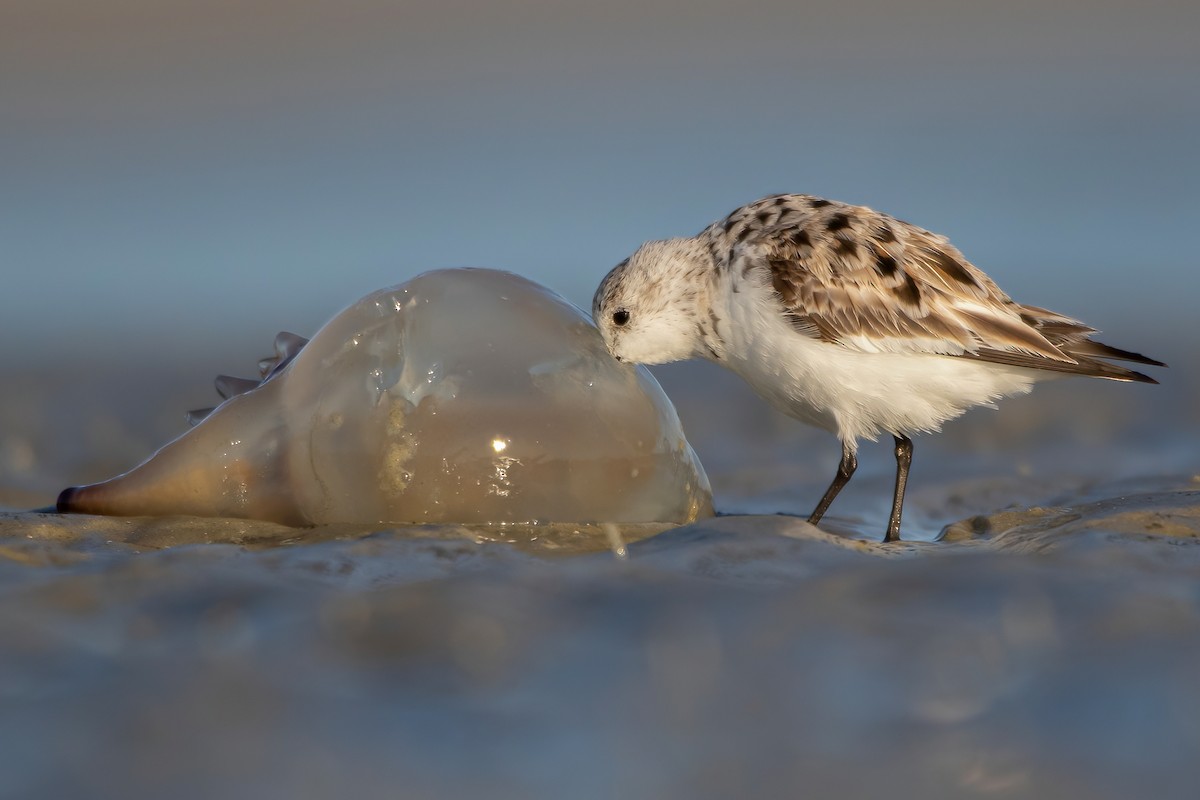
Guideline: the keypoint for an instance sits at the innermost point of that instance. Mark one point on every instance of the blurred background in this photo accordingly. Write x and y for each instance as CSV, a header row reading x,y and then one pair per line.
x,y
188,177
181,180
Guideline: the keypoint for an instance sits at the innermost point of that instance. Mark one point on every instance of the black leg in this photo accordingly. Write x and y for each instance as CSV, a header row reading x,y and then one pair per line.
x,y
903,462
844,472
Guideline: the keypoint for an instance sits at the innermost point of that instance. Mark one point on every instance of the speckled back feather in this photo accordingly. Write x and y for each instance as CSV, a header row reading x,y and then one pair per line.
x,y
854,277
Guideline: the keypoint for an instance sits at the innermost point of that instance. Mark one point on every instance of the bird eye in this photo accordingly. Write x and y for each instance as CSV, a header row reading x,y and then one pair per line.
x,y
620,317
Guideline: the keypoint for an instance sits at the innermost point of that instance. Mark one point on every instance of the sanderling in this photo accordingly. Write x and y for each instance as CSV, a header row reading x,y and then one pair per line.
x,y
844,318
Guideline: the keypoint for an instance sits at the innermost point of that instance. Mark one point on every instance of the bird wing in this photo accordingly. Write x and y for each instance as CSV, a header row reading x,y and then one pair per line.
x,y
863,280
868,282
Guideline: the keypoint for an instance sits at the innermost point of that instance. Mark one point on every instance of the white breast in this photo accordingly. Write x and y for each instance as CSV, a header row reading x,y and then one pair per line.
x,y
851,393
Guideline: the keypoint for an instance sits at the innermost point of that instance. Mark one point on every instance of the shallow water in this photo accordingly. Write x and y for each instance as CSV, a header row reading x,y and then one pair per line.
x,y
1039,635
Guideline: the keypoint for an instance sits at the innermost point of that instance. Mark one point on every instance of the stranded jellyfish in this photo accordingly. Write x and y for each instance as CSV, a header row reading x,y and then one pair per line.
x,y
463,395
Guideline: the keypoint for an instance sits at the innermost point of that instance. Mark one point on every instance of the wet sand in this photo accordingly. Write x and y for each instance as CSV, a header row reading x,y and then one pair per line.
x,y
1038,635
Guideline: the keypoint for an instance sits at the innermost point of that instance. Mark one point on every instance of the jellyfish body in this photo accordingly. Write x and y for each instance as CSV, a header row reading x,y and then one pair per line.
x,y
465,395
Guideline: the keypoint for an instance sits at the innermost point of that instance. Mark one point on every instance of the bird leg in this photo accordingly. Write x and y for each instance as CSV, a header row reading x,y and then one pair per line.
x,y
845,470
903,462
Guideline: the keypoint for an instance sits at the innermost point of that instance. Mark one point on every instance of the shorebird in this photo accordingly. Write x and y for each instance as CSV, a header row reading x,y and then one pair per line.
x,y
845,318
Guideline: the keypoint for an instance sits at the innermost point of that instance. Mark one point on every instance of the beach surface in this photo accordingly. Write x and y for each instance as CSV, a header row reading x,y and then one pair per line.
x,y
1037,634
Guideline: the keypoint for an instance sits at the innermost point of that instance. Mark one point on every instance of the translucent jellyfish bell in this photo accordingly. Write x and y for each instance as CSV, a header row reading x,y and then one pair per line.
x,y
464,395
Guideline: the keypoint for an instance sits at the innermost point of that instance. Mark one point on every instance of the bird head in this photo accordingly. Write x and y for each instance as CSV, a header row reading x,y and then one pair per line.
x,y
648,308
